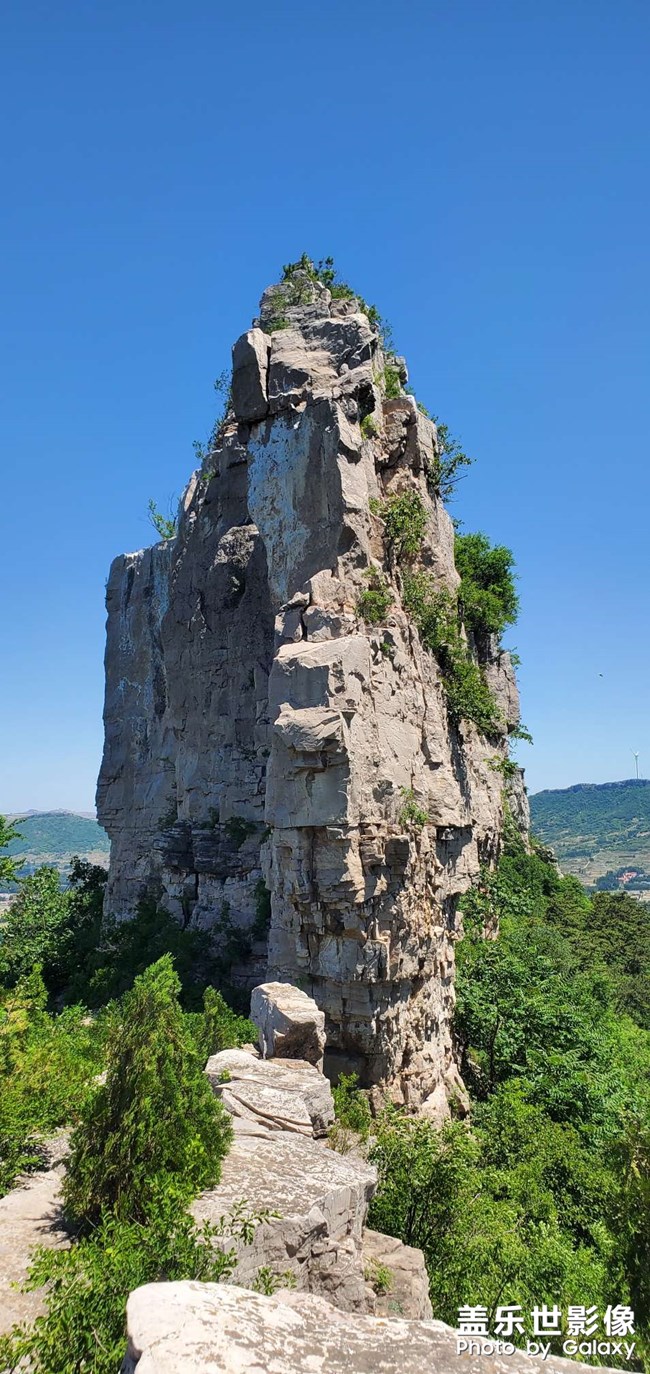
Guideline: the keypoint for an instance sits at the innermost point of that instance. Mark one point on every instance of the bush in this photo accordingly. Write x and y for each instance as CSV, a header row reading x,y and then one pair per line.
x,y
487,597
351,1105
127,948
405,523
376,600
47,1067
218,1027
444,474
436,617
410,812
8,866
166,526
56,928
154,1125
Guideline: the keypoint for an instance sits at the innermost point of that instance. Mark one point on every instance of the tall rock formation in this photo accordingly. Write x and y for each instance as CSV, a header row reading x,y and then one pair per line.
x,y
263,738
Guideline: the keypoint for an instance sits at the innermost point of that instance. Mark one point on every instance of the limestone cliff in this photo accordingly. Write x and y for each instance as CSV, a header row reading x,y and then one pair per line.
x,y
261,736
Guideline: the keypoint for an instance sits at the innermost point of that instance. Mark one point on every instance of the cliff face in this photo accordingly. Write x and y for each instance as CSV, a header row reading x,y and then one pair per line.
x,y
261,736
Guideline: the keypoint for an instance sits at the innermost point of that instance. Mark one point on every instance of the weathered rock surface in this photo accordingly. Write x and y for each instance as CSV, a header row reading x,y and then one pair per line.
x,y
320,1200
30,1215
260,735
408,1292
193,1328
290,1024
265,1095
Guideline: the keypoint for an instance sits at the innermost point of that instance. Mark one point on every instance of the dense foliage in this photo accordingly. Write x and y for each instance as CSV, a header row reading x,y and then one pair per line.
x,y
435,613
487,598
47,1067
546,1196
154,1125
9,837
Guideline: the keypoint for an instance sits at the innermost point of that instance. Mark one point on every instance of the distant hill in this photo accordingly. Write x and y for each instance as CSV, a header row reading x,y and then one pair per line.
x,y
53,837
599,831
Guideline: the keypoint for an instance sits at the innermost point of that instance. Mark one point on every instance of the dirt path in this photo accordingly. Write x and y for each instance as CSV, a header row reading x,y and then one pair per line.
x,y
29,1215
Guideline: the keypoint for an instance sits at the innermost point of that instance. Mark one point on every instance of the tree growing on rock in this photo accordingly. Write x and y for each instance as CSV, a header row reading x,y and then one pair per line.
x,y
153,1127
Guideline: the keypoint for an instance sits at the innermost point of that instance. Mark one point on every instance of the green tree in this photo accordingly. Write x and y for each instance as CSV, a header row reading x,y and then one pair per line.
x,y
166,526
154,1125
8,865
444,474
487,597
34,925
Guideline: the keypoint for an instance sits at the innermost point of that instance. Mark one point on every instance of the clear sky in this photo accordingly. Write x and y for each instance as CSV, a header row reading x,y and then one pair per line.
x,y
478,170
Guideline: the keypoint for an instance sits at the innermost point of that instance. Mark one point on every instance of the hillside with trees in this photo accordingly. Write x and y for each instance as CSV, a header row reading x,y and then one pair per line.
x,y
599,831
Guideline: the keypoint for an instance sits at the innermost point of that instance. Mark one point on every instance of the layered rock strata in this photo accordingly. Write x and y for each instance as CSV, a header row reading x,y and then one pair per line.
x,y
261,737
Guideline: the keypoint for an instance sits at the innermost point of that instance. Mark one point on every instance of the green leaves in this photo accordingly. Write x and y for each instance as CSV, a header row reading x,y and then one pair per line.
x,y
8,867
545,1194
154,1124
487,597
445,473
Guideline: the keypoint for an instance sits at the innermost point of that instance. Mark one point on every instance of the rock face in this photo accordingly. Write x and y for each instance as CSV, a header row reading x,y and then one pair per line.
x,y
290,1024
318,1202
190,1328
406,1293
261,736
265,1095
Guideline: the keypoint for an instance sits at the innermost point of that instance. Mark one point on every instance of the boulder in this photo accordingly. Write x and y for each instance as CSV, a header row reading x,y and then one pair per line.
x,y
397,1273
289,1022
270,1095
250,365
196,1328
315,1203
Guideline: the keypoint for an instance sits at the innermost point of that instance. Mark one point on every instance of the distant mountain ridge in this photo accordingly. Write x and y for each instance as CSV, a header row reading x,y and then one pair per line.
x,y
54,837
599,831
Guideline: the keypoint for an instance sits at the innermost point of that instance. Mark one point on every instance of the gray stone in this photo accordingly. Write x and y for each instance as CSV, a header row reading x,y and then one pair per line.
x,y
408,1292
261,735
271,1094
250,366
317,1202
289,1022
193,1328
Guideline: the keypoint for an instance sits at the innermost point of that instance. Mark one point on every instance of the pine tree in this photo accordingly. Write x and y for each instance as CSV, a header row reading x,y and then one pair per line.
x,y
154,1126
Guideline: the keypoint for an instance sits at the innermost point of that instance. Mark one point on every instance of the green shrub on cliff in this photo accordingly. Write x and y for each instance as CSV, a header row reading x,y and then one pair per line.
x,y
435,614
154,1124
444,473
487,597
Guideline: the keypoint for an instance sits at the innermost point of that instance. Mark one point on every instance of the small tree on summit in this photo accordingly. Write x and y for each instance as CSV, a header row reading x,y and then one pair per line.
x,y
154,1126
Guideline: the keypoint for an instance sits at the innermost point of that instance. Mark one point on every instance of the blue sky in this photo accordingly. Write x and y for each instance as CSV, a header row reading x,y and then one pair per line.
x,y
480,171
